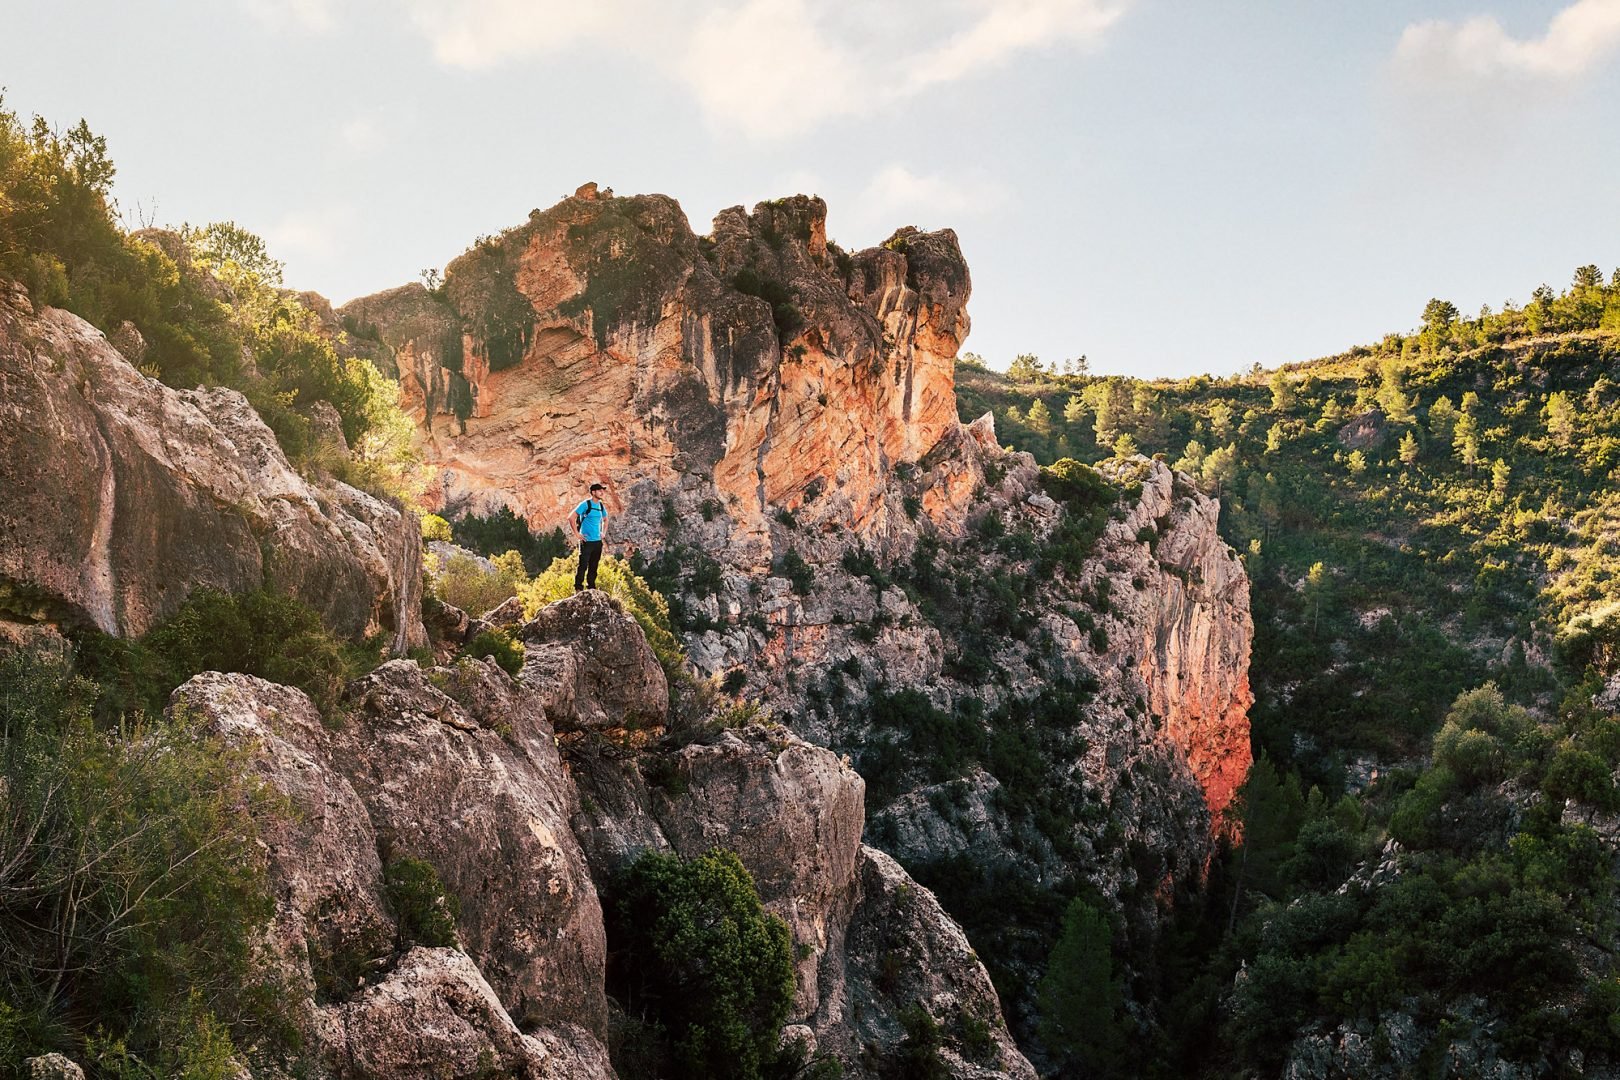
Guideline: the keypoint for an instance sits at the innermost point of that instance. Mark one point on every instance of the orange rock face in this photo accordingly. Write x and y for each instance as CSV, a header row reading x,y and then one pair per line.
x,y
1193,632
604,341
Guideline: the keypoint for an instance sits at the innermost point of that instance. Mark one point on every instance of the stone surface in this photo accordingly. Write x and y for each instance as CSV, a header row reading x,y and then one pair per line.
x,y
434,1015
469,780
653,365
125,495
591,665
53,1067
480,793
1190,629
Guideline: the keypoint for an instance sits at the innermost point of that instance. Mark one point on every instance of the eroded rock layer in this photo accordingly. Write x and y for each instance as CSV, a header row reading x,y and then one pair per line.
x,y
124,495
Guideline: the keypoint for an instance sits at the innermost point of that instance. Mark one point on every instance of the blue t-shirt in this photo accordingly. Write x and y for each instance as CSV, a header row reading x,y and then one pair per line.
x,y
592,516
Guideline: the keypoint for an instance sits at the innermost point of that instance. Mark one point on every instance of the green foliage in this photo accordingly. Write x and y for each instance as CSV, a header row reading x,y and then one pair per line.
x,y
261,633
694,956
801,576
463,582
59,236
502,531
435,527
614,577
427,914
132,887
784,311
499,644
1081,998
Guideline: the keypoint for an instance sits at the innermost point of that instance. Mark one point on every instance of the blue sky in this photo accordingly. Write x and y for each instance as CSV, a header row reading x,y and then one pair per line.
x,y
1168,188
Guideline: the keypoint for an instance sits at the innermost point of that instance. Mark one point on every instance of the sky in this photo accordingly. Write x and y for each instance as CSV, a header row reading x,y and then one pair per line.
x,y
1167,188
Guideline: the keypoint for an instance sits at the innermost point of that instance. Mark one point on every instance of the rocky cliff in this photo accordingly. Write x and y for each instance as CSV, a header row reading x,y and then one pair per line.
x,y
1038,688
460,767
123,495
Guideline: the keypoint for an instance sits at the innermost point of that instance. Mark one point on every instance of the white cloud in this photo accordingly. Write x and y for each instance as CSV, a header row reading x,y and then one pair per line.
x,y
362,135
309,16
1578,38
773,67
896,193
311,235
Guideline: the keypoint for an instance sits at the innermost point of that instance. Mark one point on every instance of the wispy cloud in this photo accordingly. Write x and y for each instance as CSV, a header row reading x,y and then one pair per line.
x,y
897,192
774,67
1579,38
311,235
308,16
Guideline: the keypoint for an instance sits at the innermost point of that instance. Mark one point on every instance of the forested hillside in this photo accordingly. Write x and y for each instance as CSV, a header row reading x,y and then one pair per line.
x,y
1429,523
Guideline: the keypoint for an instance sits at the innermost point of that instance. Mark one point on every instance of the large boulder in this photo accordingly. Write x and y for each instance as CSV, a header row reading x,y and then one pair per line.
x,y
434,1015
478,791
590,663
124,495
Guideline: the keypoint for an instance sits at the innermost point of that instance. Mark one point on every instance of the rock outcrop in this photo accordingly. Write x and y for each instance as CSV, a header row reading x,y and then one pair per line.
x,y
593,665
124,495
759,365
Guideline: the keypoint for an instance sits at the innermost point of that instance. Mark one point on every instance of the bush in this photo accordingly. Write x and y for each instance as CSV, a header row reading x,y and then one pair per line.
x,y
261,633
615,578
497,643
427,914
502,531
132,884
463,582
801,576
692,952
435,527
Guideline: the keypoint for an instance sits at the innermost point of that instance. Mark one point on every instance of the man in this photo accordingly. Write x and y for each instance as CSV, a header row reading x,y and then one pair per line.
x,y
590,523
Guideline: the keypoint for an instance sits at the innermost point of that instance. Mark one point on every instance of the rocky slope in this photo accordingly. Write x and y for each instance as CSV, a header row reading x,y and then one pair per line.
x,y
124,495
776,419
449,765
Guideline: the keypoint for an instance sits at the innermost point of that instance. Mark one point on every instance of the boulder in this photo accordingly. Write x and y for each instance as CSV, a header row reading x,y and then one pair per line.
x,y
590,662
124,495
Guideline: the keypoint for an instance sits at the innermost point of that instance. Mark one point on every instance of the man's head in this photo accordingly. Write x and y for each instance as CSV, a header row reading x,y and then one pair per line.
x,y
597,489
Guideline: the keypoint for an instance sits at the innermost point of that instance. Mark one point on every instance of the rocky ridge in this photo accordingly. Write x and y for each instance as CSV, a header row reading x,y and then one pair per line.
x,y
451,764
124,495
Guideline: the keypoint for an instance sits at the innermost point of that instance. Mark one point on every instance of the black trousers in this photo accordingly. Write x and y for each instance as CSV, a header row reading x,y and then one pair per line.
x,y
590,554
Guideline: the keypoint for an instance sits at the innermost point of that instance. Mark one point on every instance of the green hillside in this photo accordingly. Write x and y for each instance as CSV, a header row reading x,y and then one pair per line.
x,y
1430,526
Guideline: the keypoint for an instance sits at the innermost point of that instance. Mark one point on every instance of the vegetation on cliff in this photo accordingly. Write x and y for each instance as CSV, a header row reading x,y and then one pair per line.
x,y
1418,517
201,306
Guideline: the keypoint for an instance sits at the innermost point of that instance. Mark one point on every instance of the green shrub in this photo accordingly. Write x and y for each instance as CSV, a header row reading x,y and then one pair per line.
x,y
435,527
1081,997
614,577
427,914
132,882
263,633
463,582
491,534
499,644
692,950
801,576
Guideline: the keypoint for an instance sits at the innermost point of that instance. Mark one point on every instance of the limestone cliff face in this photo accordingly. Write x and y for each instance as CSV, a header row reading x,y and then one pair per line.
x,y
603,340
460,767
123,495
1190,630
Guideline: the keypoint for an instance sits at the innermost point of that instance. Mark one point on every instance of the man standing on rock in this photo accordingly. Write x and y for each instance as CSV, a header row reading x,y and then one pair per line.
x,y
590,523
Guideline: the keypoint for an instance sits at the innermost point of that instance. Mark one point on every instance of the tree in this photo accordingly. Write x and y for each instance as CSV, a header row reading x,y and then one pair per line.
x,y
1275,437
1318,583
1081,997
1220,419
1025,367
1074,410
694,952
1442,418
1220,467
1039,417
1501,477
1193,459
1559,416
1408,449
1588,277
1125,447
1392,395
1465,440
1438,315
1357,463
1282,392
